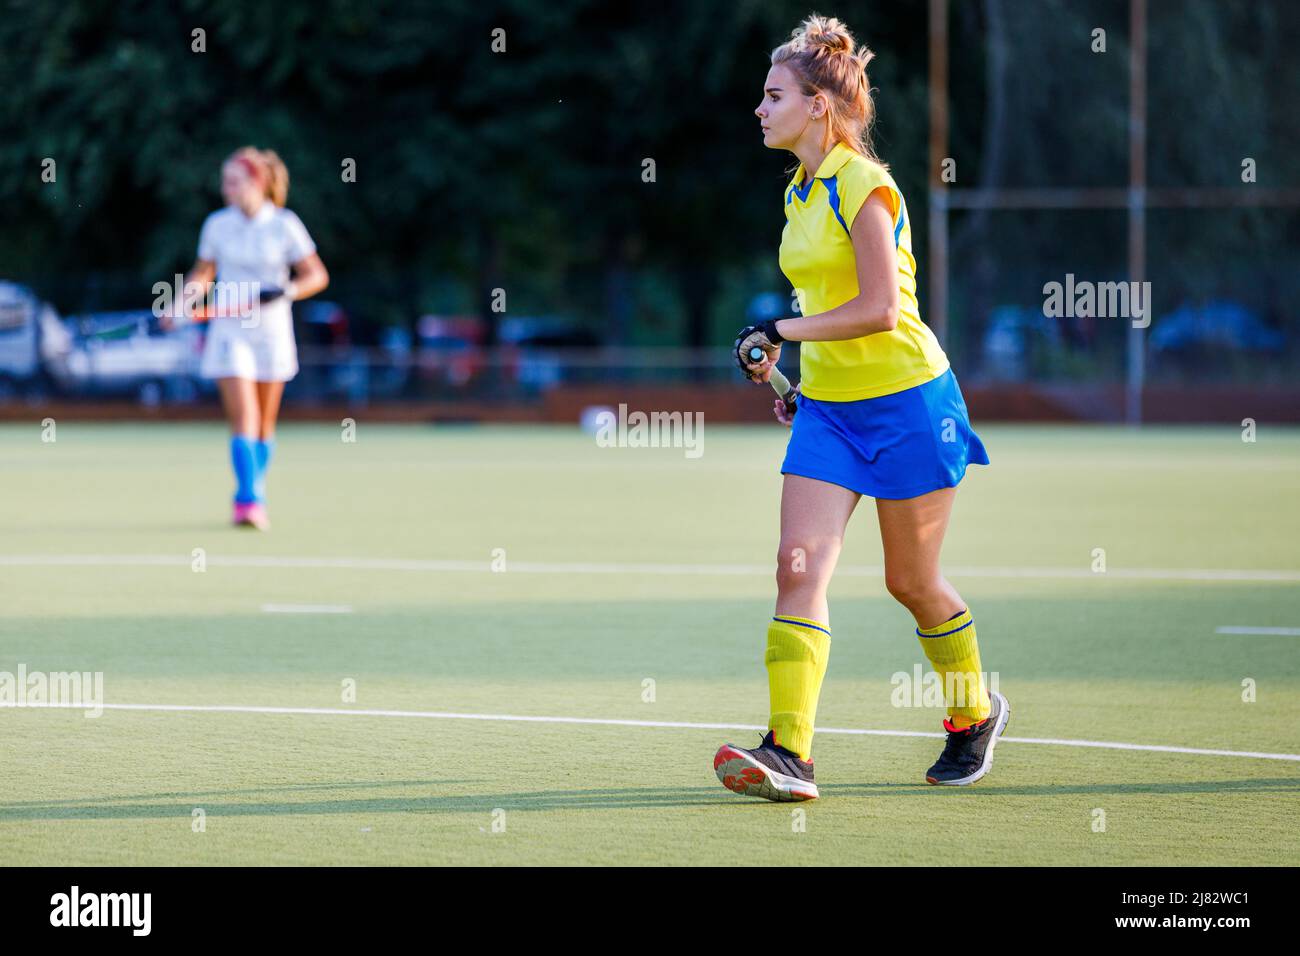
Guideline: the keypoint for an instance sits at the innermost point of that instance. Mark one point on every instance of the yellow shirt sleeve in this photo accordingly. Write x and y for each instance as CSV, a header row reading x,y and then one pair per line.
x,y
859,179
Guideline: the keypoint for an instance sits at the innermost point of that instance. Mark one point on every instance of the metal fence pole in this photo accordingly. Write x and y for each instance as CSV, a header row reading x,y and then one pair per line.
x,y
938,215
1137,203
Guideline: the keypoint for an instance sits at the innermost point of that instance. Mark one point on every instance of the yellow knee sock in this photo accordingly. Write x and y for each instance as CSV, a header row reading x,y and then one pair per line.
x,y
797,652
953,650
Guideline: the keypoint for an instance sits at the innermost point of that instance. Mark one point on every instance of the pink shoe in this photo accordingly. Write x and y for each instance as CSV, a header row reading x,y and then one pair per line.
x,y
251,514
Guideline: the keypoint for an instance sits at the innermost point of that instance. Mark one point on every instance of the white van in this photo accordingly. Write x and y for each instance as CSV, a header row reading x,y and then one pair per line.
x,y
34,344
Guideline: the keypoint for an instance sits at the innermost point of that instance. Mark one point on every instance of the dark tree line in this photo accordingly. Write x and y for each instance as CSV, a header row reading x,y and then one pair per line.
x,y
525,169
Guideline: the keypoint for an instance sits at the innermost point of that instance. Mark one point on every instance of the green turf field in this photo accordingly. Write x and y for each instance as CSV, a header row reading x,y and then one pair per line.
x,y
624,566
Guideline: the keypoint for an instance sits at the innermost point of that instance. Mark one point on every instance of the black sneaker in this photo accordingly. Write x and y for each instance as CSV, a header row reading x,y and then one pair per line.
x,y
769,771
968,754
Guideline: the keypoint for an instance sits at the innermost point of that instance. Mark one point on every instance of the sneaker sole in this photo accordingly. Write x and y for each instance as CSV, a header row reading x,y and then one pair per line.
x,y
1004,717
741,773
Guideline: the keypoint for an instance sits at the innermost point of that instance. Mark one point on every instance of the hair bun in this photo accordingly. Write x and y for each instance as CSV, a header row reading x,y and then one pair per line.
x,y
826,35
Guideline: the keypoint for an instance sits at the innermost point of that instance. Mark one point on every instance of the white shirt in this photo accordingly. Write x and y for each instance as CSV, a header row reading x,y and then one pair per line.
x,y
259,249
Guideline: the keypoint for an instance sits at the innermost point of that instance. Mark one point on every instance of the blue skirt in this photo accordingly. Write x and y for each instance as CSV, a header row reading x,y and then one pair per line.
x,y
896,446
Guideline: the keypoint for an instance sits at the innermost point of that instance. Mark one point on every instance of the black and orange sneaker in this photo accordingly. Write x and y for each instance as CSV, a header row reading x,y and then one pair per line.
x,y
769,771
968,754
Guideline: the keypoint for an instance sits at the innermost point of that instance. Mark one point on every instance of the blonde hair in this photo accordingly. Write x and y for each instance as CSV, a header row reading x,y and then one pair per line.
x,y
826,59
267,166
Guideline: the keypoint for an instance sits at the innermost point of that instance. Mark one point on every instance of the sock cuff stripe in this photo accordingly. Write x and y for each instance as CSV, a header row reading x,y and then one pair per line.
x,y
954,624
922,634
802,622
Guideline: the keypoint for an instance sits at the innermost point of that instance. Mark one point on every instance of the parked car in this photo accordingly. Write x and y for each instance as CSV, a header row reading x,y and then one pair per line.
x,y
1214,326
450,351
389,379
331,366
768,305
531,345
1012,337
129,353
34,344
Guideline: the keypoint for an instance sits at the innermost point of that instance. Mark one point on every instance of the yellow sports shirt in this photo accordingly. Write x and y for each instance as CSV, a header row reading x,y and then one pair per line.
x,y
817,258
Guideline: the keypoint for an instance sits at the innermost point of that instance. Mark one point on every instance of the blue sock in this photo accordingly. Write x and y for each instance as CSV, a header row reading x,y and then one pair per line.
x,y
262,451
244,459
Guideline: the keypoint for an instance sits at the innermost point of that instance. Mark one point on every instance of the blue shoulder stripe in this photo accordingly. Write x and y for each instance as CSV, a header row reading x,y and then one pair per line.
x,y
832,187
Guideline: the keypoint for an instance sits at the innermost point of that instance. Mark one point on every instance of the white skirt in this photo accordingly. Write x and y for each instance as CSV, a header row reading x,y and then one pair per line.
x,y
265,352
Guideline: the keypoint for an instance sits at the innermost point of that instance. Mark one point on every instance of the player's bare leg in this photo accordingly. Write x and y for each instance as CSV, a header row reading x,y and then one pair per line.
x,y
269,395
912,532
814,515
239,399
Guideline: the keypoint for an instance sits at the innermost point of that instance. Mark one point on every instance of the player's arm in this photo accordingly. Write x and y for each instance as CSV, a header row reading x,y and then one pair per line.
x,y
201,274
309,278
875,307
194,289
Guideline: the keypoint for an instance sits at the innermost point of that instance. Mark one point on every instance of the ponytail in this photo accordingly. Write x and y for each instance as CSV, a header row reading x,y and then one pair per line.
x,y
265,166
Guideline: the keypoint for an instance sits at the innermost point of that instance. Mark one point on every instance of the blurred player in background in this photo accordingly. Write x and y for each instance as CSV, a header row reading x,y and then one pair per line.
x,y
254,243
879,414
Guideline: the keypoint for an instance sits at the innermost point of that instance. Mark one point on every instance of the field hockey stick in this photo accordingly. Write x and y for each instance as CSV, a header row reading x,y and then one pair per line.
x,y
208,312
780,384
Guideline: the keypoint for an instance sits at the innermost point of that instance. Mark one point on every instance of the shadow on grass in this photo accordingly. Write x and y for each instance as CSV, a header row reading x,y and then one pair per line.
x,y
594,799
166,805
1255,785
193,794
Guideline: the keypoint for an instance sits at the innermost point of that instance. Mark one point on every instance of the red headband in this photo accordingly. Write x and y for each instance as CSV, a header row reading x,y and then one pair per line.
x,y
251,168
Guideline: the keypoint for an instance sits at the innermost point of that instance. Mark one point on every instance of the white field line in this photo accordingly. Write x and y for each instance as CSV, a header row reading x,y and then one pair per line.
x,y
642,568
1240,629
612,722
307,608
